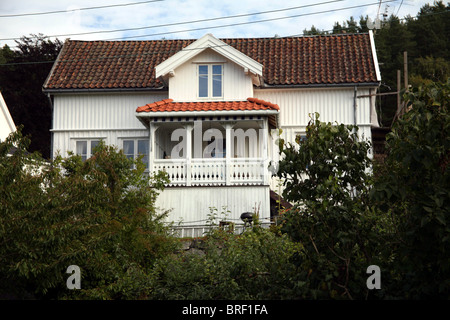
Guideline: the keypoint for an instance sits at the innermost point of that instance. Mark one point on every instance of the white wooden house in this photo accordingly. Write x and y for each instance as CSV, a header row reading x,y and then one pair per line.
x,y
202,110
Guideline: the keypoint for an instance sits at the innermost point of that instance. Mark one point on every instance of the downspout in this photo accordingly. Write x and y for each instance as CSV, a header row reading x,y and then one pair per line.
x,y
355,94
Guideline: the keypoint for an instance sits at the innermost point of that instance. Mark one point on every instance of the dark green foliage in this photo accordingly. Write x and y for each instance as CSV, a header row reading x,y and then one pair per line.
x,y
98,214
326,177
21,81
398,219
414,189
254,265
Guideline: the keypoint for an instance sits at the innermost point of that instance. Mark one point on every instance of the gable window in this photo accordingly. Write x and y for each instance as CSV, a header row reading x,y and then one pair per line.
x,y
210,80
133,148
85,148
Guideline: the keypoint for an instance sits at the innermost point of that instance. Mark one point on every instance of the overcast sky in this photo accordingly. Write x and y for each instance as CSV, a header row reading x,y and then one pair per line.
x,y
175,19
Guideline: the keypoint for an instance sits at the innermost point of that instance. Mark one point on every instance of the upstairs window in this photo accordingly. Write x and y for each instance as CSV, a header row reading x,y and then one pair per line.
x,y
210,81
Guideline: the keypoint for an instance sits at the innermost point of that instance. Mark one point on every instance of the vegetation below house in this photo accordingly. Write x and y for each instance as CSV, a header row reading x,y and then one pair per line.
x,y
100,215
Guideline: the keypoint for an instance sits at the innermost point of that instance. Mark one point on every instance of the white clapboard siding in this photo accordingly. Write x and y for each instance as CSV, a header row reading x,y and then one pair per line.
x,y
336,105
183,86
66,140
332,105
191,205
98,116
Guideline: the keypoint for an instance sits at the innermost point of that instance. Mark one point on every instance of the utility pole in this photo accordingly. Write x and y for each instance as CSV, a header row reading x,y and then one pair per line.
x,y
399,106
405,68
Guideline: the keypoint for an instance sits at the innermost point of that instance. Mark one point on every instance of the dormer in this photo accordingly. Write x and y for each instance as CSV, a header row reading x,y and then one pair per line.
x,y
210,70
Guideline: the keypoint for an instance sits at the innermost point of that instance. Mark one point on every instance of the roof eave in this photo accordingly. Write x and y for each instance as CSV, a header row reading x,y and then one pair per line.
x,y
161,114
102,90
320,85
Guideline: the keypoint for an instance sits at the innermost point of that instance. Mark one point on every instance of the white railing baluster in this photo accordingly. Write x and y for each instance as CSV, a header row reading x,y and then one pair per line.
x,y
212,171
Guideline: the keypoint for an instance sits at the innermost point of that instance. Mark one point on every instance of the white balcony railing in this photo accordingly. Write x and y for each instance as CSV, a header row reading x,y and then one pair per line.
x,y
212,171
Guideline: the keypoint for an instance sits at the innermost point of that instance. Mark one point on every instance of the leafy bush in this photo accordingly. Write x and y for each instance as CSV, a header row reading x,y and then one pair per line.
x,y
414,189
326,177
254,265
98,214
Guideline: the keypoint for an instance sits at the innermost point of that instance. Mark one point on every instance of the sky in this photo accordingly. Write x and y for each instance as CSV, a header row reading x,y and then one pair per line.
x,y
184,19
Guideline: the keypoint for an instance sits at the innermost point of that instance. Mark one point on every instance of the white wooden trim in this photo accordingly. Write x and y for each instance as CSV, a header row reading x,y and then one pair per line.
x,y
97,129
374,54
228,127
198,46
7,118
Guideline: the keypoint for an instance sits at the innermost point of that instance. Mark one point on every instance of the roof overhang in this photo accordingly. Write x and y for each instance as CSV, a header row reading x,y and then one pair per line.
x,y
253,107
146,117
221,113
208,41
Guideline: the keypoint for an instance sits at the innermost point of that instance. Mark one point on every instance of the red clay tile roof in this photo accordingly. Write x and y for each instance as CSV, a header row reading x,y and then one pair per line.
x,y
331,59
168,105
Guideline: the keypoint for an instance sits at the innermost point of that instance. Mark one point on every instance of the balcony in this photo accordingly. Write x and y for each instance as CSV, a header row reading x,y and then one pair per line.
x,y
213,172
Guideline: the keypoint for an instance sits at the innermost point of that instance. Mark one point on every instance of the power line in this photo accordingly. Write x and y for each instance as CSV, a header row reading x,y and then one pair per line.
x,y
399,7
159,52
74,10
245,23
186,22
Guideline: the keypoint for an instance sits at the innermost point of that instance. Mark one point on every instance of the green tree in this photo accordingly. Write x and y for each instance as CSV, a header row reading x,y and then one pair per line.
x,y
98,214
314,31
431,30
414,189
22,75
326,176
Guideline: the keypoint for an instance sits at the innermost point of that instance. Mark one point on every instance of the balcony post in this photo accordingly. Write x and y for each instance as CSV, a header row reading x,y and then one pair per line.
x,y
265,152
228,127
188,154
151,147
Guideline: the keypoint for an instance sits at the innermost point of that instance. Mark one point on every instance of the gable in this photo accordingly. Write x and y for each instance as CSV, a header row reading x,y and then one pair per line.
x,y
346,59
208,42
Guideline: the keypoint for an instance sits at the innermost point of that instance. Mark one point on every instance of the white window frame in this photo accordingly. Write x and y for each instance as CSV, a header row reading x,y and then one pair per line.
x,y
136,153
210,80
89,147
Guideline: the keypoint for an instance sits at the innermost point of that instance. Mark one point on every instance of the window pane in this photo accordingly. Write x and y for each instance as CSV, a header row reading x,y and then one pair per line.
x,y
202,69
217,69
94,143
143,149
202,81
128,148
81,147
203,86
217,85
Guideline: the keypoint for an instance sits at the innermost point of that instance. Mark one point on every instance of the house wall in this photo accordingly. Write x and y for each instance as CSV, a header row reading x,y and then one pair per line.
x,y
107,116
237,86
112,117
332,104
191,205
